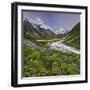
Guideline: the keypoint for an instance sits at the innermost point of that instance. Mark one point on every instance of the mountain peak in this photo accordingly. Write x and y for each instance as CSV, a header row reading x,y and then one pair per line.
x,y
61,31
38,21
38,28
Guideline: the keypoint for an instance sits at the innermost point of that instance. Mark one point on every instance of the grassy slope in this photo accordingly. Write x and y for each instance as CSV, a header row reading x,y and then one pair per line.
x,y
73,38
32,39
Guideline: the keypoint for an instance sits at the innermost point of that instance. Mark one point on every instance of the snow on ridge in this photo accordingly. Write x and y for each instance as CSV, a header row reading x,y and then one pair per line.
x,y
34,26
40,22
46,27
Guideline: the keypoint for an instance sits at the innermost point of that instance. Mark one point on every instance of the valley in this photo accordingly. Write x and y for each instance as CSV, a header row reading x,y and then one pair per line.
x,y
48,54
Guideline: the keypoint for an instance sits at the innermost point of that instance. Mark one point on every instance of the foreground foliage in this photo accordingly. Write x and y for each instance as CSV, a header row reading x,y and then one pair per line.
x,y
49,62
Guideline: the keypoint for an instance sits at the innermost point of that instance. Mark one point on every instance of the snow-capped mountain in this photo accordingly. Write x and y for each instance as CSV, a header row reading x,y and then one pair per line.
x,y
61,31
40,22
37,28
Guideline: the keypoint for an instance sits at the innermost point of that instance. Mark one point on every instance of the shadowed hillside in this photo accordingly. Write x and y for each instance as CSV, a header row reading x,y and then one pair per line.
x,y
73,37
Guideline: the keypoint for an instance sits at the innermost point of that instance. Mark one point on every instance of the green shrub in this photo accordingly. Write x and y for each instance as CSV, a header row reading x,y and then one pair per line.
x,y
49,63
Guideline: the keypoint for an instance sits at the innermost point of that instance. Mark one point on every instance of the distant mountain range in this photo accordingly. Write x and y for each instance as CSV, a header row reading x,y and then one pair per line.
x,y
39,30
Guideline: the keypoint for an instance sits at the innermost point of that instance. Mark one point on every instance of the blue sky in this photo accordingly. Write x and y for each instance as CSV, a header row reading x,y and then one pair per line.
x,y
53,19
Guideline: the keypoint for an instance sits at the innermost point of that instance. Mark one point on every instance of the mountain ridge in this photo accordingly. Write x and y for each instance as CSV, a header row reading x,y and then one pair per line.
x,y
37,30
73,37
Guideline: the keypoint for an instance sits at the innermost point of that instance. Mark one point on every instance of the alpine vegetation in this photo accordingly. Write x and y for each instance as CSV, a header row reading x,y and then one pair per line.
x,y
51,44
